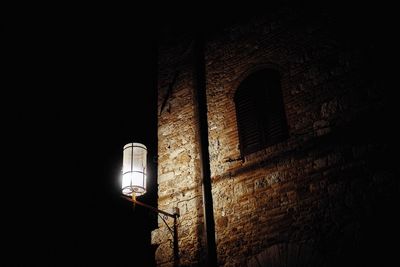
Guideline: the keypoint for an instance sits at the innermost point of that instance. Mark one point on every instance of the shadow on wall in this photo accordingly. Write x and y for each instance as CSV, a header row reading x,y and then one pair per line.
x,y
368,241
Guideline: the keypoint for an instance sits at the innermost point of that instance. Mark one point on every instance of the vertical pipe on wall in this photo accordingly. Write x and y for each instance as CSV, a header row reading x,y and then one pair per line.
x,y
201,100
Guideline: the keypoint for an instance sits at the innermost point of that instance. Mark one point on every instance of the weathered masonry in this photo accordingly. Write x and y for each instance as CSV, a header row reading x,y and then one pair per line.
x,y
301,162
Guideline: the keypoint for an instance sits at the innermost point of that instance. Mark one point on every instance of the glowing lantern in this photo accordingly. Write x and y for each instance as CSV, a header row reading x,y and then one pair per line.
x,y
134,169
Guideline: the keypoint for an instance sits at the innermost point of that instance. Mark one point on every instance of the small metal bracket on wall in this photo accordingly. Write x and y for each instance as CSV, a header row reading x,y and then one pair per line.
x,y
241,158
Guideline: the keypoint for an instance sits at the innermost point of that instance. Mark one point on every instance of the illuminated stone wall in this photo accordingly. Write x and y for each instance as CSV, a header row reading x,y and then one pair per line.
x,y
309,200
179,183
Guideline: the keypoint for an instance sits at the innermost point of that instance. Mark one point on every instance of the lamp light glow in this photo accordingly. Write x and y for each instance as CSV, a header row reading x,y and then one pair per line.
x,y
134,169
134,164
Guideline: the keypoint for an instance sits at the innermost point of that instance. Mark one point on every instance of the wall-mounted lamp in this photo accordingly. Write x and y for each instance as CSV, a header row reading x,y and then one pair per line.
x,y
134,178
134,169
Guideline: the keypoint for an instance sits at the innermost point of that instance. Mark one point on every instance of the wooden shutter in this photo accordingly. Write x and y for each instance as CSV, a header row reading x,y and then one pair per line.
x,y
260,113
249,127
275,126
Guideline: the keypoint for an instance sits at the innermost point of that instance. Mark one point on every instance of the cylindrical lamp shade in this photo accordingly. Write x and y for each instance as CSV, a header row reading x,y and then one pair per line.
x,y
134,169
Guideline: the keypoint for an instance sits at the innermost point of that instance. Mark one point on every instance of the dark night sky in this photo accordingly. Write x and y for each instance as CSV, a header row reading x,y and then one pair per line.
x,y
80,84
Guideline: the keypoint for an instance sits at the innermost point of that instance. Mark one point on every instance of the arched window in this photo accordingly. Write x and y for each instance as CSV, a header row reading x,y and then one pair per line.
x,y
260,113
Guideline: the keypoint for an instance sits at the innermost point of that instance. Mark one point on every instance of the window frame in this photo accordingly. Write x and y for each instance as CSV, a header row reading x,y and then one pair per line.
x,y
255,89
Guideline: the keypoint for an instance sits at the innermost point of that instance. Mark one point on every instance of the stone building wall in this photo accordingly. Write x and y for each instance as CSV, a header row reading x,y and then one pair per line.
x,y
179,183
305,200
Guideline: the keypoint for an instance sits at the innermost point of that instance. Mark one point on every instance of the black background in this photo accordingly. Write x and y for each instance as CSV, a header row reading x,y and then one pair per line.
x,y
80,84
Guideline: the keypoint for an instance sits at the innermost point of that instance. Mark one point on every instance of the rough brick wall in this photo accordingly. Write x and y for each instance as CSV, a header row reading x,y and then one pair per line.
x,y
179,183
304,200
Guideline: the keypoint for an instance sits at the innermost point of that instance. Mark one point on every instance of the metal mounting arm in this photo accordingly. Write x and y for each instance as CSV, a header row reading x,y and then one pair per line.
x,y
175,215
174,232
